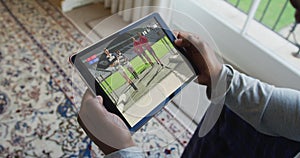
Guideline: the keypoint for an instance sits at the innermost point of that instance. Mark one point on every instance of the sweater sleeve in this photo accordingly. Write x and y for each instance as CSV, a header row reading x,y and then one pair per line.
x,y
131,152
273,111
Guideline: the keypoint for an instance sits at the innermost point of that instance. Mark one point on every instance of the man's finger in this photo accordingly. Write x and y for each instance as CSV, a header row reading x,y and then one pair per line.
x,y
183,35
176,32
187,40
87,95
100,99
182,42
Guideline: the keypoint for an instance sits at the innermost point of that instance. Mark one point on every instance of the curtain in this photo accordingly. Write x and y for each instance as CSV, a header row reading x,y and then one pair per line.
x,y
141,7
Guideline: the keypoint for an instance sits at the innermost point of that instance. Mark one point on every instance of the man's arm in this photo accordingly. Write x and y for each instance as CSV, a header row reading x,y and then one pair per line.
x,y
271,110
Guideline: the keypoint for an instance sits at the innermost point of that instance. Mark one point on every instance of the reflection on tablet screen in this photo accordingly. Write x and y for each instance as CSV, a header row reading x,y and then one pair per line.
x,y
138,69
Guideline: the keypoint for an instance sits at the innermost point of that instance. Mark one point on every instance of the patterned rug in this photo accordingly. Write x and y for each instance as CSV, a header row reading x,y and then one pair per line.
x,y
38,89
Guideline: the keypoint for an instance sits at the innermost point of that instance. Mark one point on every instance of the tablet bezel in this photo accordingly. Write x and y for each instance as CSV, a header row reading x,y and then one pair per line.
x,y
96,89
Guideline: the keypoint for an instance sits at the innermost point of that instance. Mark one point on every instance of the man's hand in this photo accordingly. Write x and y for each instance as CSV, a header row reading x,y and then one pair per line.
x,y
201,55
106,130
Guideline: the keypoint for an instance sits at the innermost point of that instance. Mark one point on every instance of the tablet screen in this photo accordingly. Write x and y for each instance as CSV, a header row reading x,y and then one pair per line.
x,y
138,68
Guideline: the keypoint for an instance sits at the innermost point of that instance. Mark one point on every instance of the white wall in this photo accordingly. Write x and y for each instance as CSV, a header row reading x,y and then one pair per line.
x,y
241,51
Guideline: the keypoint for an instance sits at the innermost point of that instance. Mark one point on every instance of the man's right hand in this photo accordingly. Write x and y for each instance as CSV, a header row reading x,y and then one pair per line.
x,y
202,56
